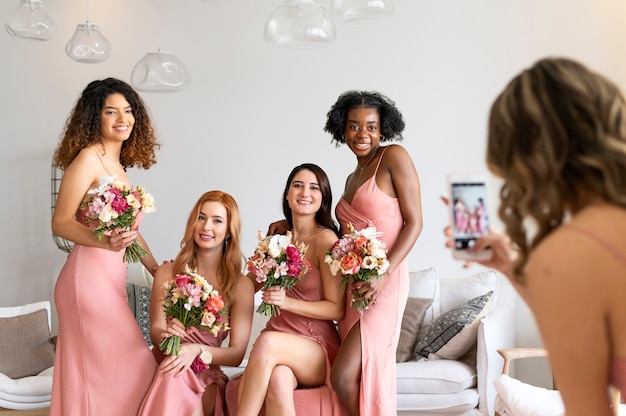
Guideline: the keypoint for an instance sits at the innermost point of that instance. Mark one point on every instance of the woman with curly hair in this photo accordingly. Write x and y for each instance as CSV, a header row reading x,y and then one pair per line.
x,y
384,192
211,247
557,139
103,364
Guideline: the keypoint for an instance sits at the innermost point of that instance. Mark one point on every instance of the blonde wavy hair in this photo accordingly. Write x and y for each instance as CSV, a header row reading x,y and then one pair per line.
x,y
557,138
231,267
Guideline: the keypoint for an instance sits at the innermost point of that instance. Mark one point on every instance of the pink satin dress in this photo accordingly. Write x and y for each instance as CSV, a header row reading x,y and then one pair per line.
x,y
317,401
182,394
103,365
380,324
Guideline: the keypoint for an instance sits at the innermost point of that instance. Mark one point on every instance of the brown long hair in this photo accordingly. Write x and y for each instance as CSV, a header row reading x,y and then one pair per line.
x,y
232,263
557,137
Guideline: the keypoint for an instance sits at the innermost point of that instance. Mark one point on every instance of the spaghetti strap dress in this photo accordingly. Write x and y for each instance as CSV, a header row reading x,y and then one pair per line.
x,y
380,323
318,401
103,365
182,394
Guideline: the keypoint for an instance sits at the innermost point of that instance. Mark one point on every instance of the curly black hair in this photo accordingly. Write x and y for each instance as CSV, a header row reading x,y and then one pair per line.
x,y
391,121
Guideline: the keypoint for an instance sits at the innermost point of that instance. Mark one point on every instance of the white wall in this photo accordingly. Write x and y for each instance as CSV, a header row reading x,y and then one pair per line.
x,y
254,111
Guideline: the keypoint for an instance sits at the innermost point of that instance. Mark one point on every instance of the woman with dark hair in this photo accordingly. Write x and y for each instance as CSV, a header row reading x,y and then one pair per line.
x,y
297,347
557,139
102,364
211,247
383,192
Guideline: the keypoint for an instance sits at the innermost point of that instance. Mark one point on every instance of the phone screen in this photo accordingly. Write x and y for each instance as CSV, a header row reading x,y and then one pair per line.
x,y
470,214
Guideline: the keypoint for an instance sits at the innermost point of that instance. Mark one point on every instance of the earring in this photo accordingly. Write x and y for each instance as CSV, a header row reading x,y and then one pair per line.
x,y
382,137
343,137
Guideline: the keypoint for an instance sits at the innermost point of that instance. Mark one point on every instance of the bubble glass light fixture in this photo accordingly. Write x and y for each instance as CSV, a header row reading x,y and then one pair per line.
x,y
361,10
300,24
160,72
88,45
31,21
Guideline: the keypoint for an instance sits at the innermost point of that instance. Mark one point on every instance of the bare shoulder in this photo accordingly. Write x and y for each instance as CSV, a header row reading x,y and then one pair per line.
x,y
396,152
162,274
244,287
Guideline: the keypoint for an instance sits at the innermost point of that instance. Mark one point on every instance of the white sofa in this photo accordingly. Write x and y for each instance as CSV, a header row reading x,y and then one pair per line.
x,y
462,386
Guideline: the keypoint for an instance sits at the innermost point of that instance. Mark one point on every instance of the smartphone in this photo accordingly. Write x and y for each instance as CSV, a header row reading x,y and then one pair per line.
x,y
469,213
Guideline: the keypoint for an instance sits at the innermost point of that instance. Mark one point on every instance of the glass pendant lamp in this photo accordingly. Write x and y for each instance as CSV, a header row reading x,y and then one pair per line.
x,y
88,45
361,10
160,72
31,21
300,24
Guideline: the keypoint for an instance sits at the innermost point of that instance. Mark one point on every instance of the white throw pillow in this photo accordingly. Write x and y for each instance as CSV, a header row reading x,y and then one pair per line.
x,y
425,284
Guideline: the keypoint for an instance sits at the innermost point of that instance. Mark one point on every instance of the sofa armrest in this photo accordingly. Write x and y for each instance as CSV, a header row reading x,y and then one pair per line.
x,y
496,331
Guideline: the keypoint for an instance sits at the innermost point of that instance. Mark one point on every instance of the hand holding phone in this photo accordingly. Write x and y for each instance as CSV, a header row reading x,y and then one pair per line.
x,y
469,215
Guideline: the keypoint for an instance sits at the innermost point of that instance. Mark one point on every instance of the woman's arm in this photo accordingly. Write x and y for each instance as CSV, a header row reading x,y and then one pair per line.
x,y
406,184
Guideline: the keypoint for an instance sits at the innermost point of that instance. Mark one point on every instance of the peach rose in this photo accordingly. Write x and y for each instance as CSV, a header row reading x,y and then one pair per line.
x,y
351,263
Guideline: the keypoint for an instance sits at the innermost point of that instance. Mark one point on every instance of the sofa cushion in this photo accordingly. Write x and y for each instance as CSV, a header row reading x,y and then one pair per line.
x,y
455,291
25,344
451,324
436,376
425,284
412,319
518,398
139,303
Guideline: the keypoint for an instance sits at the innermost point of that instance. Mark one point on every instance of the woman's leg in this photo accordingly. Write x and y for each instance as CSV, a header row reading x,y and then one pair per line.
x,y
346,372
305,357
279,398
208,400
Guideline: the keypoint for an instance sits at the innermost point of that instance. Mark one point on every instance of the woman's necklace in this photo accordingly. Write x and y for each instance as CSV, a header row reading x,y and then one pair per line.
x,y
358,181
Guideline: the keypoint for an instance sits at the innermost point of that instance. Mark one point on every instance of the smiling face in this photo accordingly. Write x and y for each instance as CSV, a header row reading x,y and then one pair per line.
x,y
212,225
362,132
304,195
116,119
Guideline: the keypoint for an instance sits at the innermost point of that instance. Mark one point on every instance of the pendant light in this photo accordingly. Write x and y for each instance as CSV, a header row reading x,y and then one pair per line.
x,y
31,21
88,45
300,24
361,10
160,71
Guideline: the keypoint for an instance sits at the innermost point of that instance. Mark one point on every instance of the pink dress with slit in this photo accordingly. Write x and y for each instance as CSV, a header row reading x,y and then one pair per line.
x,y
103,365
380,324
316,401
182,394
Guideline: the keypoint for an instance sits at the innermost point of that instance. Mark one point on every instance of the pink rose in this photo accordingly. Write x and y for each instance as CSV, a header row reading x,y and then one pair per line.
x,y
360,244
214,304
182,280
351,263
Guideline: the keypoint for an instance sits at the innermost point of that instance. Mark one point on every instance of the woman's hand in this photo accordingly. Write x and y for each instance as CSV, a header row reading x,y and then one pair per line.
x,y
120,239
174,365
274,295
278,227
367,291
174,328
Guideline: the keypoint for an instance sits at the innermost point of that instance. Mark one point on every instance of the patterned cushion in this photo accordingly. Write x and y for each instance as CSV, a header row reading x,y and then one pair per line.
x,y
139,303
448,325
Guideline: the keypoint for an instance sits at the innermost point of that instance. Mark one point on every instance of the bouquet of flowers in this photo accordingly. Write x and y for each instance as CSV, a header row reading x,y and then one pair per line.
x,y
193,301
359,255
278,262
115,205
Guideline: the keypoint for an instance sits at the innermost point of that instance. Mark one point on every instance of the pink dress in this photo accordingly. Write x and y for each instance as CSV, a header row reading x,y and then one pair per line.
x,y
103,365
317,401
380,324
182,394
